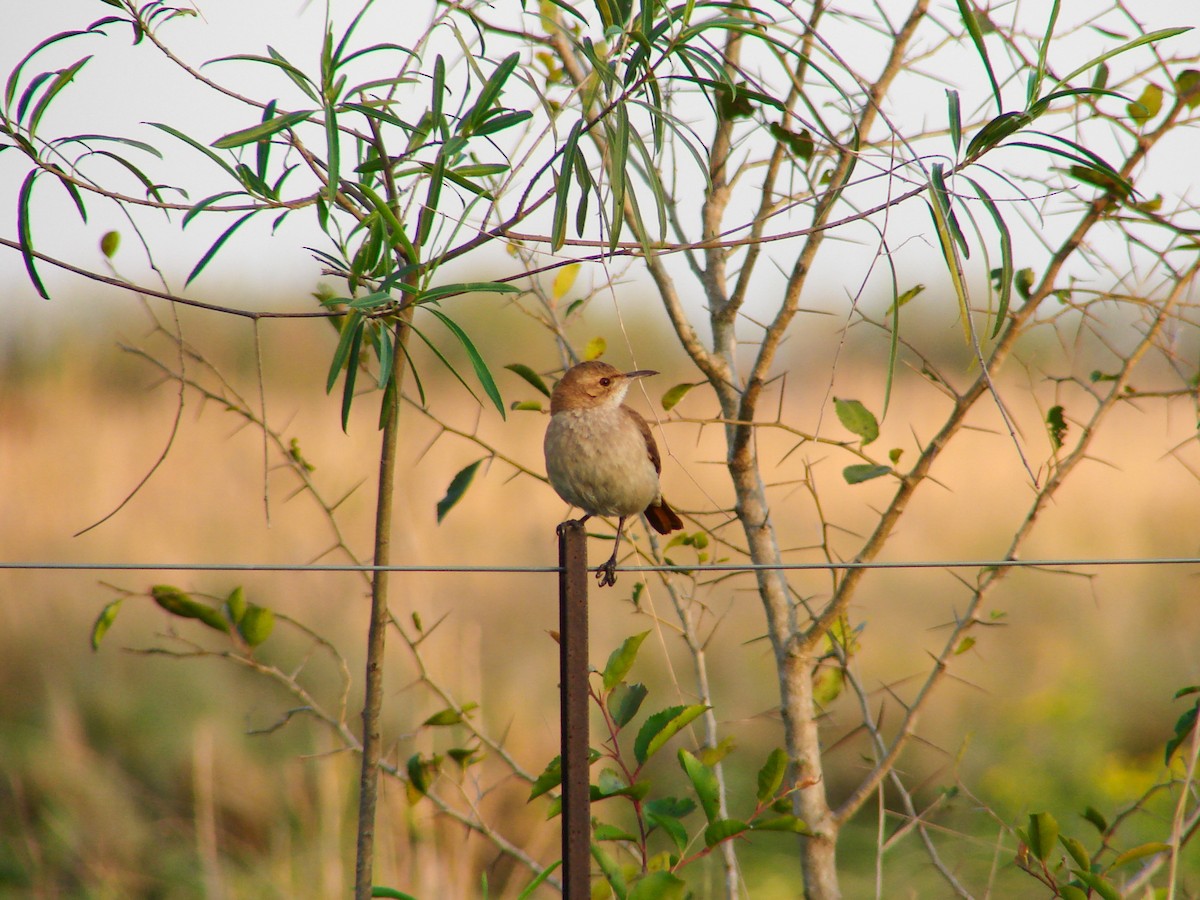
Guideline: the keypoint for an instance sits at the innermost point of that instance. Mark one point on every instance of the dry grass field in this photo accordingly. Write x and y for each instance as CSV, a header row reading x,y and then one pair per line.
x,y
127,774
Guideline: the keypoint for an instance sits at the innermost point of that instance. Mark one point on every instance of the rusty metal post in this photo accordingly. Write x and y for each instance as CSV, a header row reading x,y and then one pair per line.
x,y
573,703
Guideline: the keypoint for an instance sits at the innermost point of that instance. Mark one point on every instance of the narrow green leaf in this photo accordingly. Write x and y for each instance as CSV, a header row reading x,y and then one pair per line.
x,y
192,142
1039,71
458,487
488,94
217,245
621,660
1140,41
704,783
1006,255
378,890
357,329
562,190
859,473
971,21
477,363
25,233
262,130
466,287
954,116
276,60
539,880
104,621
61,80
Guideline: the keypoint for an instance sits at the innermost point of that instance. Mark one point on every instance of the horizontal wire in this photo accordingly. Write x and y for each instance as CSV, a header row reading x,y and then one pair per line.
x,y
542,570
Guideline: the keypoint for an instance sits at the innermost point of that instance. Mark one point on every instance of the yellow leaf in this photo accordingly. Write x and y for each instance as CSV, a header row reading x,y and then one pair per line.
x,y
595,348
563,280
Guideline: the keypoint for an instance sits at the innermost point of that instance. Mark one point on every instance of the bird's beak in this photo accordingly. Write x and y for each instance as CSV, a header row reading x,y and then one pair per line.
x,y
640,373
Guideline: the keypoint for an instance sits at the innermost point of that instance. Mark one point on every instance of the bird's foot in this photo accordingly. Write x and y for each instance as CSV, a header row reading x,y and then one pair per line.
x,y
606,575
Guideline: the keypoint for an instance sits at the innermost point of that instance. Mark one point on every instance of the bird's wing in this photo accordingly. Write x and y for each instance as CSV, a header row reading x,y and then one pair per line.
x,y
651,446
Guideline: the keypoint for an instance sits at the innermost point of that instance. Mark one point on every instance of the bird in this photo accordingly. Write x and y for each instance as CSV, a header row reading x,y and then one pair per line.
x,y
600,454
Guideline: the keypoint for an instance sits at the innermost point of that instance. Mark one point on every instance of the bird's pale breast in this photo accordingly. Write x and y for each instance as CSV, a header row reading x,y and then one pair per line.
x,y
597,460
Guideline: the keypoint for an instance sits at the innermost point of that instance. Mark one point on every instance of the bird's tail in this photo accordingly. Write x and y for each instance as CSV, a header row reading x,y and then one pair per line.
x,y
662,518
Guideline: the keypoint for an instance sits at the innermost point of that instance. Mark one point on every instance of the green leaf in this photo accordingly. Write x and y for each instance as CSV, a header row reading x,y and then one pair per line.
x,y
954,117
625,701
1184,726
786,822
539,880
861,472
477,363
256,624
551,777
562,189
971,21
604,832
466,287
25,233
390,893
677,393
621,660
857,419
659,885
1056,424
1146,106
217,245
1006,255
451,716
704,783
262,130
722,830
1140,852
235,605
104,621
1139,41
611,872
458,487
1043,835
61,79
1078,851
770,776
661,727
1093,815
177,603
1187,88
109,242
530,377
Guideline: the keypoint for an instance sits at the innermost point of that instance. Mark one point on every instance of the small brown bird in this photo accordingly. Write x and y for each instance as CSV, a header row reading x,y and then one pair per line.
x,y
600,454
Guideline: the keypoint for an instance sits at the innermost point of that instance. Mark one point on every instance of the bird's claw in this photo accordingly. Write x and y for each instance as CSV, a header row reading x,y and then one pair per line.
x,y
606,575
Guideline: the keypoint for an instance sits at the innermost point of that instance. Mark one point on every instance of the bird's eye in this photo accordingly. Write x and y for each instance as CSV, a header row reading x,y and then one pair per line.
x,y
605,382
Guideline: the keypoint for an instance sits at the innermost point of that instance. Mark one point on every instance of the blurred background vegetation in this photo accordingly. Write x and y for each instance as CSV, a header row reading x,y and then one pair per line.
x,y
132,774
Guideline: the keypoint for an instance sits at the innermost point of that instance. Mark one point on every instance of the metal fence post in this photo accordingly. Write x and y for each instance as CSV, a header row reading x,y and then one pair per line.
x,y
573,702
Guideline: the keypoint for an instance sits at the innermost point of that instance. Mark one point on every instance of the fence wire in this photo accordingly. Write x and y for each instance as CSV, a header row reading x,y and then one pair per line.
x,y
1049,563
